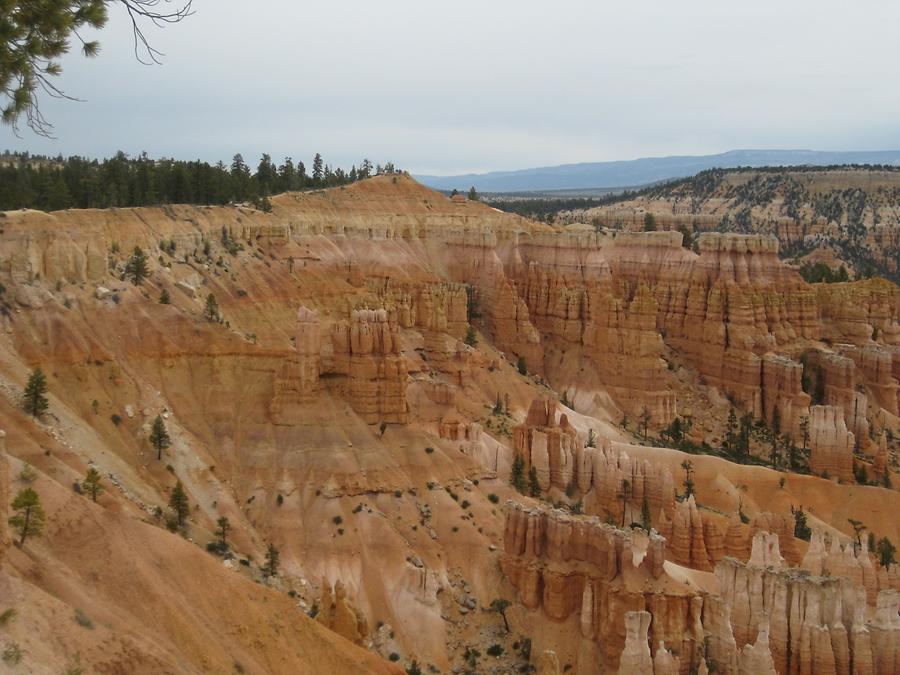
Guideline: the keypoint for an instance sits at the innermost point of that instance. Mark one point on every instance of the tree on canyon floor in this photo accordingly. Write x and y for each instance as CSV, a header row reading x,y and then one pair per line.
x,y
28,520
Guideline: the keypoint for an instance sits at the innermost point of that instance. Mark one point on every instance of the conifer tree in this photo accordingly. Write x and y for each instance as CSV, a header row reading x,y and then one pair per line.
x,y
178,502
136,267
159,436
318,169
270,569
688,467
534,487
164,297
222,530
473,194
471,337
517,474
886,552
28,520
646,522
36,403
211,309
93,483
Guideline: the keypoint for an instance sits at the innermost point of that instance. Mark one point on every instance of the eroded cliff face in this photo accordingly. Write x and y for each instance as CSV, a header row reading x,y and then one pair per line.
x,y
342,409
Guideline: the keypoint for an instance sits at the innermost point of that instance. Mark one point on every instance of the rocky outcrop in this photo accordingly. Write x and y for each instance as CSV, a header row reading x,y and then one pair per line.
x,y
756,659
563,461
686,536
575,565
636,656
339,614
830,443
297,381
367,351
815,623
782,391
826,556
549,446
875,363
549,663
842,390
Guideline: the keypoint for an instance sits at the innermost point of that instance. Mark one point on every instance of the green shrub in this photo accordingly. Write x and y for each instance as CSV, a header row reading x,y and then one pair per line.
x,y
494,499
83,619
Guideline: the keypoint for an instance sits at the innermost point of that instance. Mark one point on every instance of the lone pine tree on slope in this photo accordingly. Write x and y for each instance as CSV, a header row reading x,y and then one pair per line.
x,y
36,403
159,437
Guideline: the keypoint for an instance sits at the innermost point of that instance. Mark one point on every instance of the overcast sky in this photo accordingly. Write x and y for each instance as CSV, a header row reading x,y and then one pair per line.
x,y
473,86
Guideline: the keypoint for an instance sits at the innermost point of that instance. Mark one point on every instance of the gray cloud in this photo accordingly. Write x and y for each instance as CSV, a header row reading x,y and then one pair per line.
x,y
448,88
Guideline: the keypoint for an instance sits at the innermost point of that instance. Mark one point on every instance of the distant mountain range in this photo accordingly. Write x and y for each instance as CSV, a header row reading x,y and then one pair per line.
x,y
631,173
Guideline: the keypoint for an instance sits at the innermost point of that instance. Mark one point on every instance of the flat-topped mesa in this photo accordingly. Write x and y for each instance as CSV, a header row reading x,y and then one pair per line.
x,y
562,461
660,239
831,444
367,351
742,259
